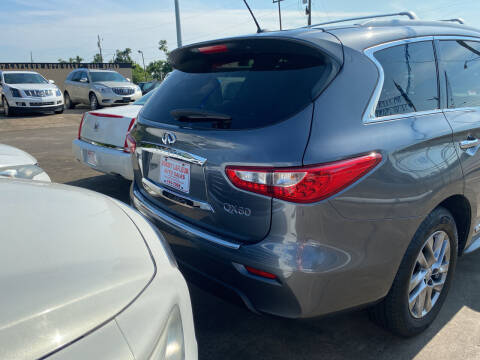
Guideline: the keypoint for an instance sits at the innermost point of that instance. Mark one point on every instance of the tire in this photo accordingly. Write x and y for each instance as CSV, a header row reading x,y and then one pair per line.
x,y
399,312
68,102
7,110
60,111
93,102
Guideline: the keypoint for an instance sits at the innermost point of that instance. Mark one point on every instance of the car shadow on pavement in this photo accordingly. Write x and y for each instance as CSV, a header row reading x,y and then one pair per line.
x,y
227,331
111,185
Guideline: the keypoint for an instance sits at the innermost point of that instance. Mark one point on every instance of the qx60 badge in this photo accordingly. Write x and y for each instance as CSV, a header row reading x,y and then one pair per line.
x,y
168,138
236,210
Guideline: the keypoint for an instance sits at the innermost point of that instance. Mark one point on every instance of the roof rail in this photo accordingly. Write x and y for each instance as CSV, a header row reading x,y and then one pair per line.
x,y
459,20
410,14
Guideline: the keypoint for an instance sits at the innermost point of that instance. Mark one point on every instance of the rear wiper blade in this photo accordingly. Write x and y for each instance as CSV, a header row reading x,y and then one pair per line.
x,y
196,115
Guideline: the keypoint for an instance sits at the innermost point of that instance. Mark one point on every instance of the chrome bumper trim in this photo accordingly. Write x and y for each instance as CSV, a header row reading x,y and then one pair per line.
x,y
141,205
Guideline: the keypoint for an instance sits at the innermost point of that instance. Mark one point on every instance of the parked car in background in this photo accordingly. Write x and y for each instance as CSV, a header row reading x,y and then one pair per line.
x,y
27,92
16,163
101,142
146,87
99,88
308,172
87,277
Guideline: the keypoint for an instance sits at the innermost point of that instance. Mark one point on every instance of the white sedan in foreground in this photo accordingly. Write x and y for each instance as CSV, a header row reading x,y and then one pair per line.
x,y
16,163
101,142
84,276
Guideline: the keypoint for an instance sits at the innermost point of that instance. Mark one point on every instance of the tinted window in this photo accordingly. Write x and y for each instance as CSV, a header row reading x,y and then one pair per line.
x,y
410,82
238,91
460,65
24,78
70,76
76,76
144,98
98,76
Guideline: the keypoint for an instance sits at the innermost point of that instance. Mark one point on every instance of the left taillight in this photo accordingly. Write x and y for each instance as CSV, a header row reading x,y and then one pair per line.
x,y
305,184
80,127
126,145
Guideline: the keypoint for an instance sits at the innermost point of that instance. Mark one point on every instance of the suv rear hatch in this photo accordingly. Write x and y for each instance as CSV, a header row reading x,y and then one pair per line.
x,y
244,102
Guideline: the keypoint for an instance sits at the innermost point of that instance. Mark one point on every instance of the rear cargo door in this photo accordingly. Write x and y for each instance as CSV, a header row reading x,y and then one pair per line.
x,y
245,102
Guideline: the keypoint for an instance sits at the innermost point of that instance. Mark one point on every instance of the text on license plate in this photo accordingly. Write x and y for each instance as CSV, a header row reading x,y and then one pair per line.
x,y
92,158
175,174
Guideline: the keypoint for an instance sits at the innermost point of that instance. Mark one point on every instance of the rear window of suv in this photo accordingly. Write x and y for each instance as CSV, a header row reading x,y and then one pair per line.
x,y
239,90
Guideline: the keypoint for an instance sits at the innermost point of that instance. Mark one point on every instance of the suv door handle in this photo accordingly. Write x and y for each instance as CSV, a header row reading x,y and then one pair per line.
x,y
468,144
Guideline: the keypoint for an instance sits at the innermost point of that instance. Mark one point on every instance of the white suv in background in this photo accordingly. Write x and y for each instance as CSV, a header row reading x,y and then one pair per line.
x,y
28,91
99,88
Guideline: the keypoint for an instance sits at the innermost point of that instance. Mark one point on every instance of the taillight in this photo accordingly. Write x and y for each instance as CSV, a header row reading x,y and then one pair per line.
x,y
213,49
105,115
131,144
126,148
306,184
80,127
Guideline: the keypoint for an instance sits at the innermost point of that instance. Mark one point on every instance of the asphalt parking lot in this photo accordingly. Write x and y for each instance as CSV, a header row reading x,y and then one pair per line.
x,y
225,331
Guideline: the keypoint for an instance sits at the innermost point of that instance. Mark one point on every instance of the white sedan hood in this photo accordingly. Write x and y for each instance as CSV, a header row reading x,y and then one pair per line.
x,y
70,259
11,156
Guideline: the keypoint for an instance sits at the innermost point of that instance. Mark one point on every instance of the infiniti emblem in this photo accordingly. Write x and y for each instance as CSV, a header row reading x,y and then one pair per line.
x,y
168,138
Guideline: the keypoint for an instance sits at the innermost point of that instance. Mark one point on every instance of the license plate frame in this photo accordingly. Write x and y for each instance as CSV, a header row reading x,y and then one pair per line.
x,y
175,174
91,157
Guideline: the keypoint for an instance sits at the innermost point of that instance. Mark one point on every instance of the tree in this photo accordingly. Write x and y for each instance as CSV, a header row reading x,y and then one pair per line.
x,y
75,60
97,59
123,56
138,74
158,69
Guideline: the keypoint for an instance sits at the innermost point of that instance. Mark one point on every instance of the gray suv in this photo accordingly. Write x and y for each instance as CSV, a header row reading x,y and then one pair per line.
x,y
99,88
315,170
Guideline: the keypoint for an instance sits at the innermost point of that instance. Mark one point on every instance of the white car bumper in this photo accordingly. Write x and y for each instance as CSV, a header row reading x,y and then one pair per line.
x,y
50,103
103,159
110,98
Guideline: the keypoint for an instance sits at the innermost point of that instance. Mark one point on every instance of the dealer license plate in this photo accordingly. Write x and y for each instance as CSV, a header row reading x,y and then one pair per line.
x,y
175,174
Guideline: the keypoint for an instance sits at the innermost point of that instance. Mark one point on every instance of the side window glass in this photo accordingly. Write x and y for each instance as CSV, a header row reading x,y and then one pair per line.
x,y
410,79
76,76
460,65
83,75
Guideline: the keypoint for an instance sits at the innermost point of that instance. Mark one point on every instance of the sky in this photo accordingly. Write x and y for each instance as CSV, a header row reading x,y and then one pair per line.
x,y
53,29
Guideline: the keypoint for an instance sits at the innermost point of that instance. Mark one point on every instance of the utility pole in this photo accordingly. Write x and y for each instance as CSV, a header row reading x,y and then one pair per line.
x,y
179,29
99,44
144,69
279,12
31,57
308,11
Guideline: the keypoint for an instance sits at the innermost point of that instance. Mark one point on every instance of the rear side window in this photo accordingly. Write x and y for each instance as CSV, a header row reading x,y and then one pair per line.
x,y
460,65
239,89
410,79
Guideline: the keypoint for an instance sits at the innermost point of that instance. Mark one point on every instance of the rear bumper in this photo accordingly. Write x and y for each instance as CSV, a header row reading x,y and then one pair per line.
x,y
312,279
109,160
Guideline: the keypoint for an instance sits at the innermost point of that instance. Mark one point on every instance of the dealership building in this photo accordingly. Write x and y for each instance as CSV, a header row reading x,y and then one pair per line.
x,y
58,71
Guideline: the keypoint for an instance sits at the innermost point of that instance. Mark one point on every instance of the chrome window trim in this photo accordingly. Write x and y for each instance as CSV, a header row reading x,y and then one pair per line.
x,y
369,114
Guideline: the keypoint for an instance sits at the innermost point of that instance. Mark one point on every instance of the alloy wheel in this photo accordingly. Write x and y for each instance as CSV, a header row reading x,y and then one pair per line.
x,y
93,102
6,108
429,274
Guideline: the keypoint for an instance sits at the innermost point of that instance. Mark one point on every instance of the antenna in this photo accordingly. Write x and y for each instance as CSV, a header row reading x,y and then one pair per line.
x,y
259,29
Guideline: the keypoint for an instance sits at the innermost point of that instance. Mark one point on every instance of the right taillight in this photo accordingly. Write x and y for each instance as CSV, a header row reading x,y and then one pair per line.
x,y
305,184
126,147
80,126
131,144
